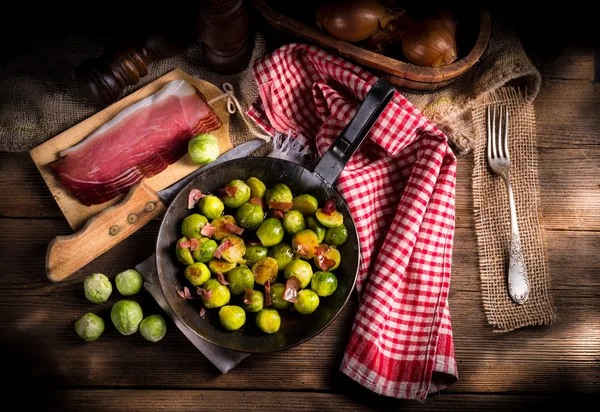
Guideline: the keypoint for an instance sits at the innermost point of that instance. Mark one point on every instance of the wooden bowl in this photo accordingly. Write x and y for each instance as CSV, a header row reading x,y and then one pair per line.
x,y
473,33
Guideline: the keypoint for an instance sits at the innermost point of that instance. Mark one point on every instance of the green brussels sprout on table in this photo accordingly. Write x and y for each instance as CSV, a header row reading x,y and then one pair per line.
x,y
239,278
268,320
197,273
153,328
129,282
255,253
204,148
126,315
283,254
270,232
97,288
241,196
211,207
250,216
293,222
192,226
232,317
89,327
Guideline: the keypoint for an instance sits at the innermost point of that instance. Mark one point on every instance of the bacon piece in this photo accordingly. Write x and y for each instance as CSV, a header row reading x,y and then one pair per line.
x,y
208,230
222,248
301,250
257,201
193,243
181,294
141,141
221,279
184,244
193,198
254,242
268,293
276,213
204,294
228,191
248,296
290,293
202,312
329,207
324,263
188,295
230,227
281,205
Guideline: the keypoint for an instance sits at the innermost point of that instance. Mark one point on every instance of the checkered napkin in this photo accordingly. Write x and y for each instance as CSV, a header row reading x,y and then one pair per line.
x,y
400,189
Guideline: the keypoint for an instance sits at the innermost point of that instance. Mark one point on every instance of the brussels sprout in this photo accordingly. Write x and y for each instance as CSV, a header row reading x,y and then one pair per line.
x,y
217,265
129,282
204,148
239,278
293,222
250,216
304,243
312,224
333,220
206,248
265,269
197,273
307,303
97,288
153,328
270,232
258,301
183,254
333,254
242,195
126,315
89,327
277,296
232,317
324,283
306,204
192,225
299,269
255,253
279,193
268,320
220,232
282,253
219,294
235,253
211,206
336,236
257,188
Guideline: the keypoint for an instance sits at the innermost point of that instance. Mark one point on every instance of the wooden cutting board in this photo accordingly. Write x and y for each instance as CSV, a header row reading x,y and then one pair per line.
x,y
76,212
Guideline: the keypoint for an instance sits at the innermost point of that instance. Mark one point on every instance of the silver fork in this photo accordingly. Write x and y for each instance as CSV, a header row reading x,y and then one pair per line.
x,y
499,161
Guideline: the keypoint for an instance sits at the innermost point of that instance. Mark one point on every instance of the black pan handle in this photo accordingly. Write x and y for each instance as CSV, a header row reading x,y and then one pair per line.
x,y
342,149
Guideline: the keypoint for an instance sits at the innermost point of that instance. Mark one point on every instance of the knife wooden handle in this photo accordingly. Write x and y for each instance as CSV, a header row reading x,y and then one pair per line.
x,y
67,254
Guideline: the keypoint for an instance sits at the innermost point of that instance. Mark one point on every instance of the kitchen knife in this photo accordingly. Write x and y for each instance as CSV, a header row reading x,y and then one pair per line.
x,y
67,254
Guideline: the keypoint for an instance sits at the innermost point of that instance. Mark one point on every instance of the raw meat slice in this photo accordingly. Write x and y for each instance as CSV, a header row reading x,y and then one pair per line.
x,y
139,142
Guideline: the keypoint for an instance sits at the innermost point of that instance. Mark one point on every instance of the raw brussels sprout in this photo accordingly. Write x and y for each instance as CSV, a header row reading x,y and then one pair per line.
x,y
312,224
211,207
192,225
305,204
217,265
249,216
270,232
277,296
283,254
257,188
204,148
97,288
324,283
279,193
183,254
301,270
239,278
219,294
129,282
126,315
153,328
268,320
206,248
333,220
293,222
265,269
89,327
258,301
304,243
241,196
236,252
220,232
307,303
336,236
232,317
197,273
255,253
333,254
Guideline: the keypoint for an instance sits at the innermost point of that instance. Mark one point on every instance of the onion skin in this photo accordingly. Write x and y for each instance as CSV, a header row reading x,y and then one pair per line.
x,y
353,20
430,43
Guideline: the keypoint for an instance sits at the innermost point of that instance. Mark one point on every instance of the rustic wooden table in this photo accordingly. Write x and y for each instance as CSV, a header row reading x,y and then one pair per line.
x,y
46,365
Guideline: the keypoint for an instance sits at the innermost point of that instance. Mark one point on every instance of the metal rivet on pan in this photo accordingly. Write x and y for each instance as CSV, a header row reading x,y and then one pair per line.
x,y
113,230
132,218
150,206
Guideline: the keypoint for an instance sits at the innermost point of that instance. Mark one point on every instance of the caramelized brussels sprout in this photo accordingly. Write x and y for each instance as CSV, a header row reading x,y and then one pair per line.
x,y
257,188
192,225
305,204
258,301
197,273
206,248
336,236
211,207
270,232
307,303
218,265
293,222
324,283
183,254
283,254
221,232
250,216
333,220
218,294
239,278
277,296
265,269
279,193
232,317
242,195
235,253
304,243
255,253
268,320
330,253
312,224
301,270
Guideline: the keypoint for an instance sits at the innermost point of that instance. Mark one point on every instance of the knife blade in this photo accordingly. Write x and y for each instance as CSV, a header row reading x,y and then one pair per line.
x,y
67,254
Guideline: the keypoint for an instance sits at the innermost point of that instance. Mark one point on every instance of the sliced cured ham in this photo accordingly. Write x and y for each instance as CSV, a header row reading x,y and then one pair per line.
x,y
139,142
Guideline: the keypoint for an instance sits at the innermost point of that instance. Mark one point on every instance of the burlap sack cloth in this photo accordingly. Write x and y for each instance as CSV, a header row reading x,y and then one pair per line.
x,y
39,98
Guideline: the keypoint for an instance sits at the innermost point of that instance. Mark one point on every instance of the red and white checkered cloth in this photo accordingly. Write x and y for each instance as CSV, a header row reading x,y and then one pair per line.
x,y
399,186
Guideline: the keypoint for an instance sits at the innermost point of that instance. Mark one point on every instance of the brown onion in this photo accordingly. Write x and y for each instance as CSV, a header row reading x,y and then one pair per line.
x,y
430,43
353,20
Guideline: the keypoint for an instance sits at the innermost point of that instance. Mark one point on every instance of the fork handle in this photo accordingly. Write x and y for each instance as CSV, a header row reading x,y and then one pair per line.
x,y
518,282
